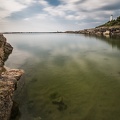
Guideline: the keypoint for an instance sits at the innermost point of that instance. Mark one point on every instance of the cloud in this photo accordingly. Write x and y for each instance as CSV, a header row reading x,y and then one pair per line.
x,y
26,2
56,13
8,7
43,2
85,11
29,11
113,6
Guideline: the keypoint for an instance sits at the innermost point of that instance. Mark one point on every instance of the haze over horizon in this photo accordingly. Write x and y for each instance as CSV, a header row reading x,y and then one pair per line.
x,y
55,15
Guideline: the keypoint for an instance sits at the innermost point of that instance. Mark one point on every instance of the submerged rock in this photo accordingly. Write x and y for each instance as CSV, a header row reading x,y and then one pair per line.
x,y
58,101
8,80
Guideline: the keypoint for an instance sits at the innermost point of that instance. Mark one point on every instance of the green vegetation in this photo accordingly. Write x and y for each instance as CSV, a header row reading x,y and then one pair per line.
x,y
112,23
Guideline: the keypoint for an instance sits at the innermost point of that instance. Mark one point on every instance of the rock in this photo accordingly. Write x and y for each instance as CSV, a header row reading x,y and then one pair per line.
x,y
58,101
107,32
8,48
15,111
8,80
99,31
5,51
37,118
12,74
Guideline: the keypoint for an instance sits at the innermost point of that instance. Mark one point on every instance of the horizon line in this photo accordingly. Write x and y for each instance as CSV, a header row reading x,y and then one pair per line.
x,y
29,32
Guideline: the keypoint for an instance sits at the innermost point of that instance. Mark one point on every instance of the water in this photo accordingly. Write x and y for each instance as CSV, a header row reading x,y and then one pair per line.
x,y
67,76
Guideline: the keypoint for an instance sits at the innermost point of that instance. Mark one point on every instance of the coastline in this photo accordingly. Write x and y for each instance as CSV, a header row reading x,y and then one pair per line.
x,y
99,31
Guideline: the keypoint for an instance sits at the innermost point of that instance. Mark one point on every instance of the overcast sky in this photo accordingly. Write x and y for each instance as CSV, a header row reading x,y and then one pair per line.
x,y
55,15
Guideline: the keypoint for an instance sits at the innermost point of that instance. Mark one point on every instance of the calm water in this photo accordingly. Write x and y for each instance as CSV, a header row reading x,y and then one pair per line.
x,y
67,76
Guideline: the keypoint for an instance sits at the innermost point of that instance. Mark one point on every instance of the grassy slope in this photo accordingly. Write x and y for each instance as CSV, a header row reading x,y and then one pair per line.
x,y
112,23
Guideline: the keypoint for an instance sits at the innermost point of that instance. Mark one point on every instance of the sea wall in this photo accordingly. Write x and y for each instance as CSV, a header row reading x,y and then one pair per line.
x,y
101,31
8,80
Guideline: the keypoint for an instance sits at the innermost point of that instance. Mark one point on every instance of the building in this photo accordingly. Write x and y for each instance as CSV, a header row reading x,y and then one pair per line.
x,y
111,17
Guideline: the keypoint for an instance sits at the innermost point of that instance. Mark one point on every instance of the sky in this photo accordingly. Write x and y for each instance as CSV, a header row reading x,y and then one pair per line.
x,y
55,15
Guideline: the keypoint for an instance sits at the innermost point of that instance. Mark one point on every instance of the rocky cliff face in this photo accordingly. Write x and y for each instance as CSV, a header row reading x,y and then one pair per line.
x,y
8,80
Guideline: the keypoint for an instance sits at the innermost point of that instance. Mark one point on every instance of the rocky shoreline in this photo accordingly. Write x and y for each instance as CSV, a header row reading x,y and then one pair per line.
x,y
99,31
8,80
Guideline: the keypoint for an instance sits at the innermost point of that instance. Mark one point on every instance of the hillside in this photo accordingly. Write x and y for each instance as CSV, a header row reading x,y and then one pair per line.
x,y
115,22
111,28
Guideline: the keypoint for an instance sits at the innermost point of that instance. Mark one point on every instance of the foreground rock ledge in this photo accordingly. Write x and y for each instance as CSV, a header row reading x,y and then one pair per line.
x,y
8,80
8,84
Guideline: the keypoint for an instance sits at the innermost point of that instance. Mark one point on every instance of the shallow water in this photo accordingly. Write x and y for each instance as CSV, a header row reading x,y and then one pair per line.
x,y
67,76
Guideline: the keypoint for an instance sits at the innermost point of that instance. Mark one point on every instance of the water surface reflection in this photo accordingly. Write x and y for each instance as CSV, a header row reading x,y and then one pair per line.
x,y
68,76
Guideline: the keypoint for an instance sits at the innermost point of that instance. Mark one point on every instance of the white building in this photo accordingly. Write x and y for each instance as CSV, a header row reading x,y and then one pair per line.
x,y
111,17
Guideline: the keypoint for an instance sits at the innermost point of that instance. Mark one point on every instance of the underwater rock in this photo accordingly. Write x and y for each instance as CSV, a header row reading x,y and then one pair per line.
x,y
37,118
58,101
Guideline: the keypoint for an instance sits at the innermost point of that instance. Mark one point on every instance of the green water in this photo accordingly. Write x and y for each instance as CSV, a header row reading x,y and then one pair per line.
x,y
67,76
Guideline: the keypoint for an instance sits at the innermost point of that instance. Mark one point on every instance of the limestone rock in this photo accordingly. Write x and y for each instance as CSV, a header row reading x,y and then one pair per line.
x,y
107,32
8,80
8,83
5,51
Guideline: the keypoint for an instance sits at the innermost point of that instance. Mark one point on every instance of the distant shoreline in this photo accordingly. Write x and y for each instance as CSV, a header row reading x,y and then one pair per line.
x,y
99,31
27,32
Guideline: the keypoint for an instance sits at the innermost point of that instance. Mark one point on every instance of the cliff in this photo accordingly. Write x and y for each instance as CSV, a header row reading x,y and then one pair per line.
x,y
8,80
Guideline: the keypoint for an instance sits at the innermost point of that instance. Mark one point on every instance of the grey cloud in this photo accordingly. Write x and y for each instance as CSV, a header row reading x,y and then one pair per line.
x,y
81,1
27,12
66,13
2,8
114,6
